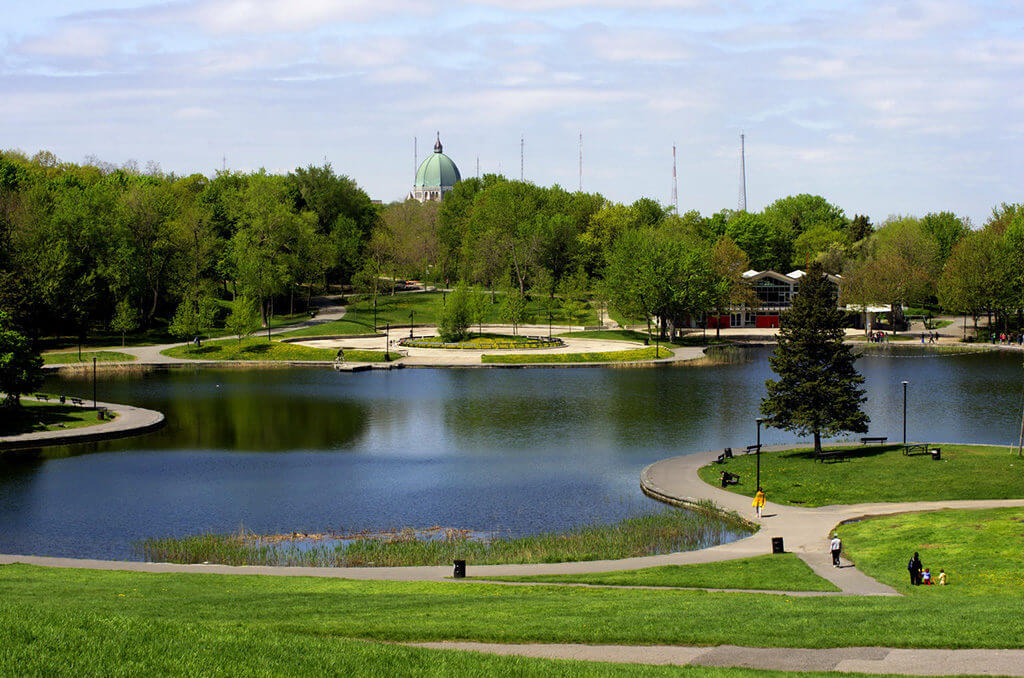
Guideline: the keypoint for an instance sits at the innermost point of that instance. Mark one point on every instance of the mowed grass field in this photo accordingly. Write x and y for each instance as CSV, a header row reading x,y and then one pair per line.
x,y
46,416
257,348
878,473
646,353
56,621
785,572
72,357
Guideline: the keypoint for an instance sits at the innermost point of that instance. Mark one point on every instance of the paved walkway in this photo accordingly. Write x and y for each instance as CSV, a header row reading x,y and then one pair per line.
x,y
845,659
129,421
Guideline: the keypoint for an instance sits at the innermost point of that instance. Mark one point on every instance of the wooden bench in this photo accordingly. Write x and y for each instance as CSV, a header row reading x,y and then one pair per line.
x,y
873,439
840,454
42,396
77,401
915,448
729,479
726,454
751,449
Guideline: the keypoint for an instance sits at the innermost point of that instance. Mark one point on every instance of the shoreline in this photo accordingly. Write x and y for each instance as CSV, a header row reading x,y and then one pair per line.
x,y
130,421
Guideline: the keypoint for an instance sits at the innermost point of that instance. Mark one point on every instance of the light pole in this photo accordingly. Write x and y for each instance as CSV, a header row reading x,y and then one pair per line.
x,y
94,382
410,324
760,420
387,342
375,314
549,323
905,413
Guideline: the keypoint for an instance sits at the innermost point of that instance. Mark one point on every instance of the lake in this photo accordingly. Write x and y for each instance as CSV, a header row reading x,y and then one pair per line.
x,y
514,451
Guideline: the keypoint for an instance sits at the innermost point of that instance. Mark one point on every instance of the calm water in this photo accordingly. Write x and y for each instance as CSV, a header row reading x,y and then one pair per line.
x,y
520,451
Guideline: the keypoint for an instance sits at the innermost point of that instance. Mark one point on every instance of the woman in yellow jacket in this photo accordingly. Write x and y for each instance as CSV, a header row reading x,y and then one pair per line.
x,y
758,502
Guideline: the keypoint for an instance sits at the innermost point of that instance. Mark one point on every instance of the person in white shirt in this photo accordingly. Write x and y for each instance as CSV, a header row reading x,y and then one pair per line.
x,y
836,546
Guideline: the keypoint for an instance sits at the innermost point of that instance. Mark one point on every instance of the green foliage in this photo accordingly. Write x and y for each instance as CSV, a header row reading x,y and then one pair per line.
x,y
21,368
947,229
194,315
513,309
35,416
785,572
456,315
879,473
263,350
126,319
72,357
244,318
818,390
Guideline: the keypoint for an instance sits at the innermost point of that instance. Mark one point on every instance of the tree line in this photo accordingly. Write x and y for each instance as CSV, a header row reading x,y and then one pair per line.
x,y
92,247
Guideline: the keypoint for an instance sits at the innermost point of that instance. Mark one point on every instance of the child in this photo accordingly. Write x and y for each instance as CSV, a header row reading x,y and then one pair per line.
x,y
942,577
926,578
758,502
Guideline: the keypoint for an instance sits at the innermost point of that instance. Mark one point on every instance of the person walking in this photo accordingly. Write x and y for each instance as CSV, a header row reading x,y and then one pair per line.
x,y
836,547
914,567
758,502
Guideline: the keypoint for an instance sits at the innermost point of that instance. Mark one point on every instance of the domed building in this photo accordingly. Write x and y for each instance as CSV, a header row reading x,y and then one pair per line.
x,y
436,175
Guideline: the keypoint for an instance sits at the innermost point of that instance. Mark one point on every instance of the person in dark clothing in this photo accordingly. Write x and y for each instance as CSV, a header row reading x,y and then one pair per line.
x,y
914,567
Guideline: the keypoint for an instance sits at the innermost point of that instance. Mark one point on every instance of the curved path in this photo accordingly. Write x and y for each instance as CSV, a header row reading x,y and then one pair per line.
x,y
130,421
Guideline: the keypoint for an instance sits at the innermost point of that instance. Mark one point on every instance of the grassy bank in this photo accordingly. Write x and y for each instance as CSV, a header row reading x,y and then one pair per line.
x,y
483,341
35,416
784,572
255,348
665,532
981,551
879,473
692,339
71,357
646,353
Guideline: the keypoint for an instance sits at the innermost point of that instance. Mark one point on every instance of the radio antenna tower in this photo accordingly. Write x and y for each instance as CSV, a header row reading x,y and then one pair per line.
x,y
478,167
522,143
743,174
581,163
415,157
675,185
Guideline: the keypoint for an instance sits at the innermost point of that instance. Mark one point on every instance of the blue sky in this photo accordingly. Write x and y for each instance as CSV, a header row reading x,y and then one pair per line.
x,y
882,107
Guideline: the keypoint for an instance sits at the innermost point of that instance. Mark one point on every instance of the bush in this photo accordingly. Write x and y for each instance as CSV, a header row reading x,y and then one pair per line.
x,y
456,315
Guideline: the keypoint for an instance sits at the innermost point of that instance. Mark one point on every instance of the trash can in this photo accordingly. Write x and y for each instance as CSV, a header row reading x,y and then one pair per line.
x,y
777,545
460,569
728,453
937,454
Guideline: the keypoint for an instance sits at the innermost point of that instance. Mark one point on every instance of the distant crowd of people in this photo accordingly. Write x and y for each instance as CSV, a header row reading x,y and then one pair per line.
x,y
877,337
933,337
1008,338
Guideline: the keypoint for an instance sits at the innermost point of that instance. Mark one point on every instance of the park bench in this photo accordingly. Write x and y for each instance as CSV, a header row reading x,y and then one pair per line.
x,y
77,401
726,454
923,448
104,414
729,479
840,454
873,439
751,449
43,397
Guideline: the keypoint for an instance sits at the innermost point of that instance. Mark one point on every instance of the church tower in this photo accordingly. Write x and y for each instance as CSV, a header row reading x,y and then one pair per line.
x,y
436,175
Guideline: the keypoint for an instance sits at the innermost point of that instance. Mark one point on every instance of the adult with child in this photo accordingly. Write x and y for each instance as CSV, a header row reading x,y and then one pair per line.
x,y
914,567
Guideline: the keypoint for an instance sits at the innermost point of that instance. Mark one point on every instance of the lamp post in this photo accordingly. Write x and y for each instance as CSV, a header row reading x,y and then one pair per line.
x,y
760,420
94,382
387,342
549,323
905,413
375,314
410,324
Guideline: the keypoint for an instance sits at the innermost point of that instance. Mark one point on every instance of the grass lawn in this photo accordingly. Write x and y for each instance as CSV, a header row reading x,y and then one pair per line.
x,y
662,532
483,342
889,336
784,572
646,353
256,348
691,339
982,551
879,473
36,416
71,357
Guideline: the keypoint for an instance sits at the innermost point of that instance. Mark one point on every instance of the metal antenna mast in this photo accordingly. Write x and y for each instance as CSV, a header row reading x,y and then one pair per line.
x,y
581,162
675,185
415,157
522,144
743,174
224,163
478,167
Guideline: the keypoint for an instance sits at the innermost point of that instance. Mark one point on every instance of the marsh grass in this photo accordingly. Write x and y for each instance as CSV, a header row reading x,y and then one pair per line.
x,y
663,532
646,353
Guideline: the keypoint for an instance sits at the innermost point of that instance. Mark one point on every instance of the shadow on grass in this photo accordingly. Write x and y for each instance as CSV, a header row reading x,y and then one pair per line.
x,y
852,453
18,420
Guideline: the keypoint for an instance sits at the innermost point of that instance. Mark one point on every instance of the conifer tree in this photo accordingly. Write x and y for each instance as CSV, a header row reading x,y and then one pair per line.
x,y
818,390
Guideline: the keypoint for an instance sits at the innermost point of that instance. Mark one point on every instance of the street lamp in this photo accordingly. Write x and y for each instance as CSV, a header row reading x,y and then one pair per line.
x,y
410,324
94,382
760,420
375,314
387,342
904,413
549,323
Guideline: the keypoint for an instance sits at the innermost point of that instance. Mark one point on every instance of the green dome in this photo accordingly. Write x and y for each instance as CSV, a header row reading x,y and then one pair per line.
x,y
437,170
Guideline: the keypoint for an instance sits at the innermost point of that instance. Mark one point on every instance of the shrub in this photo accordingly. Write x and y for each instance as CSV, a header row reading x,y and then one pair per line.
x,y
456,315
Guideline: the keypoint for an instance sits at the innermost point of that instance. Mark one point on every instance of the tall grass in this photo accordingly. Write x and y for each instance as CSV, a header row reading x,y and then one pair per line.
x,y
664,532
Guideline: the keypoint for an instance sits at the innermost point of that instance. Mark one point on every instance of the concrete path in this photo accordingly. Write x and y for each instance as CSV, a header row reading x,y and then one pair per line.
x,y
846,659
129,421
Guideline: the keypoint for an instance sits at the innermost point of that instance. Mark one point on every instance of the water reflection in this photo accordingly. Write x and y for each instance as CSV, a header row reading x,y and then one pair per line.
x,y
521,451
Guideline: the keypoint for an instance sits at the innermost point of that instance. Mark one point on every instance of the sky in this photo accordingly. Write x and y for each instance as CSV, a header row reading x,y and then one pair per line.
x,y
881,107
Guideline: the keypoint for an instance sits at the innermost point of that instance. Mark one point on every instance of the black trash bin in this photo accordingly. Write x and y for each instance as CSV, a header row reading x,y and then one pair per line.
x,y
937,454
460,569
777,545
728,453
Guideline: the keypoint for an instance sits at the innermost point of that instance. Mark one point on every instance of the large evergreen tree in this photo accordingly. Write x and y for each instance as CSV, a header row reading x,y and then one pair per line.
x,y
818,390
